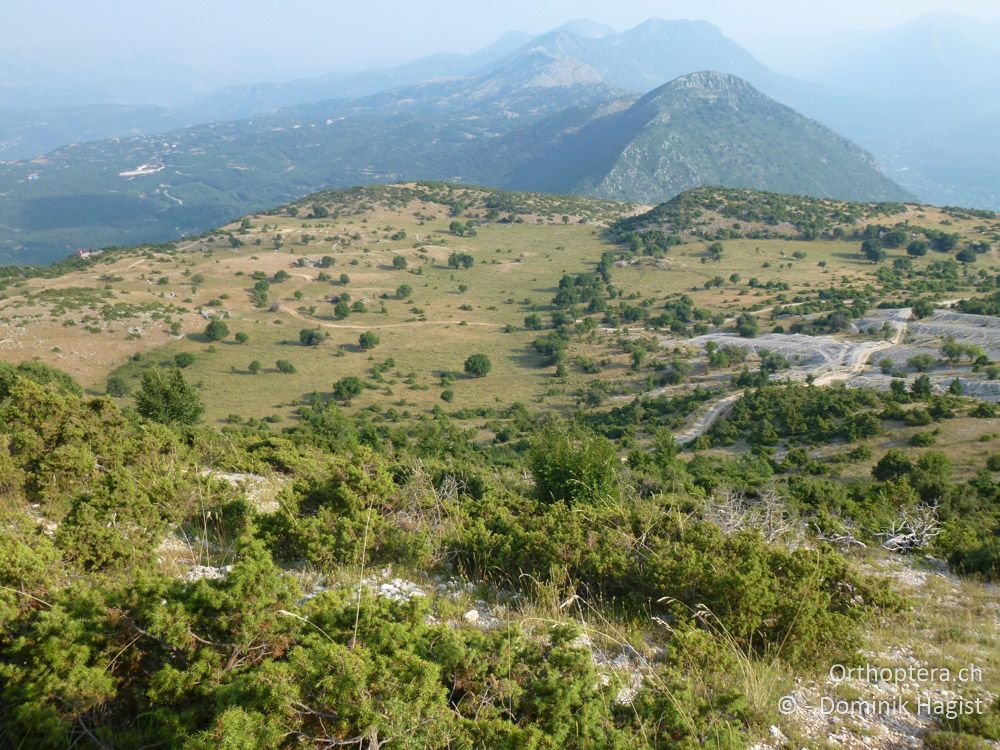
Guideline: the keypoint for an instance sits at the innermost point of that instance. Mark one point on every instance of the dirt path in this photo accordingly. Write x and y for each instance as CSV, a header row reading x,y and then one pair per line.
x,y
706,417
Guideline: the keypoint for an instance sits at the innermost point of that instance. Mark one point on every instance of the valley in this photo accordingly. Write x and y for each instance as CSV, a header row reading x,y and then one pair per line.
x,y
553,428
380,259
621,384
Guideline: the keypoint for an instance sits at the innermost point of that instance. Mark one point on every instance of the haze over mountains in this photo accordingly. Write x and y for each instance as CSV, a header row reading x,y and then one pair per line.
x,y
560,111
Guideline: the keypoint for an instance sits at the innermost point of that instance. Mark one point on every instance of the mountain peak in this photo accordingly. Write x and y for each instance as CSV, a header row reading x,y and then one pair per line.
x,y
703,84
663,25
707,128
586,28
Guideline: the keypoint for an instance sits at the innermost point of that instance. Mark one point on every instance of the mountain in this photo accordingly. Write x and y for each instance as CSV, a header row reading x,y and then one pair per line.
x,y
147,188
32,131
244,101
541,121
637,60
707,129
550,114
655,52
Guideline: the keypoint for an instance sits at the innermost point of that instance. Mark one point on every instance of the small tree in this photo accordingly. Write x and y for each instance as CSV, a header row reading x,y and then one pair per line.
x,y
216,330
921,362
344,279
533,322
478,366
254,367
403,291
399,263
168,398
921,386
917,249
116,386
747,326
285,366
573,466
368,340
461,260
242,338
893,465
872,250
347,388
183,359
310,337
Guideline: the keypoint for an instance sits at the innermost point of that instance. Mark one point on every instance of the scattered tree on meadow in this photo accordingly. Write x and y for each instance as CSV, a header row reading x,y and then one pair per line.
x,y
368,340
348,387
184,359
461,260
311,337
478,366
216,330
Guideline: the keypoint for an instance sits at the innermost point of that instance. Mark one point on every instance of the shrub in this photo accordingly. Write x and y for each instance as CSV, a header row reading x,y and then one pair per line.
x,y
747,326
285,366
183,359
117,386
953,741
461,260
311,337
368,340
572,466
347,388
216,330
478,366
168,399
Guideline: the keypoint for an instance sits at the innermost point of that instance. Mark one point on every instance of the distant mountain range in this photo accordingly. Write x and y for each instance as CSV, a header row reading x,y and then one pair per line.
x,y
563,111
918,96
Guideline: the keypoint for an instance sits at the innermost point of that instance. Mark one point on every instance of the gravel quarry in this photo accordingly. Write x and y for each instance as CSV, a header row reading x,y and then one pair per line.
x,y
828,359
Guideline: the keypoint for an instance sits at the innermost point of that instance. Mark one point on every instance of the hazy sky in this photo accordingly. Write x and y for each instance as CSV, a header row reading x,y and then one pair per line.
x,y
242,38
